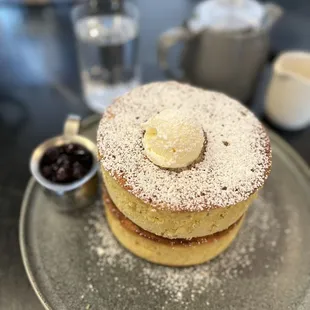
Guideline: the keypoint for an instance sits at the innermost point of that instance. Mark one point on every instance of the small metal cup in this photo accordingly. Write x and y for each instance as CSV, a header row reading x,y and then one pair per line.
x,y
80,193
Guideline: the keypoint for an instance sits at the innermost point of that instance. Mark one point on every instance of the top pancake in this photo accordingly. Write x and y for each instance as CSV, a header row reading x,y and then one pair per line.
x,y
235,163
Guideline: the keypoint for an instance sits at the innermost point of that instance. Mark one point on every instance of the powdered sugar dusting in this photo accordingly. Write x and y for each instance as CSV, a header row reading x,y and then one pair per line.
x,y
185,286
236,160
106,248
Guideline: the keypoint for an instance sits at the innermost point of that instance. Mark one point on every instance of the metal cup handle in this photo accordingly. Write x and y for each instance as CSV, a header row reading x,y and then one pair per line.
x,y
72,125
165,42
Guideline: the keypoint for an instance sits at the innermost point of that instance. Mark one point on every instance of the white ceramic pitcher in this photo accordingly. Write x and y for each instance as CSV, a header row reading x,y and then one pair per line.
x,y
288,96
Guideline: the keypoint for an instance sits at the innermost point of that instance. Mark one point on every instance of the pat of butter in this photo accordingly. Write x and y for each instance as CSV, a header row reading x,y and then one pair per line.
x,y
172,139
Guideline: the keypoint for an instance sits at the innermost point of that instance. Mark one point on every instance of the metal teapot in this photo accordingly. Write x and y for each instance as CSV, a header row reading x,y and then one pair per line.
x,y
226,45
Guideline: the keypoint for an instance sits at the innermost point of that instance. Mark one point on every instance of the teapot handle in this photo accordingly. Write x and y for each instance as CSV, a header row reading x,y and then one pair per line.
x,y
273,13
165,42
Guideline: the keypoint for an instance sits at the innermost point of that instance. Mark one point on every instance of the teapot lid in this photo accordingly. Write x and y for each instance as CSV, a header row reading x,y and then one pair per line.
x,y
227,15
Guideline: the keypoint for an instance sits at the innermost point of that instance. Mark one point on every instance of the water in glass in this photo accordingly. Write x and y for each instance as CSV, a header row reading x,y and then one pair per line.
x,y
108,51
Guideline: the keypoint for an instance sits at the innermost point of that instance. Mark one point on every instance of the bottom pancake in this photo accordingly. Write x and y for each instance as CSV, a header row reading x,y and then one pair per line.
x,y
170,252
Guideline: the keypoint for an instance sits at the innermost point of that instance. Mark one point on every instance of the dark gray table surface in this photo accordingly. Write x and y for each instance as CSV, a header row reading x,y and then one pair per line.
x,y
39,86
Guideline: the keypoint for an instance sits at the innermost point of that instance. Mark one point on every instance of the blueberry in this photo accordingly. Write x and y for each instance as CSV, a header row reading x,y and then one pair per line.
x,y
61,175
61,149
47,171
70,148
51,154
86,161
55,167
78,170
45,160
80,151
63,161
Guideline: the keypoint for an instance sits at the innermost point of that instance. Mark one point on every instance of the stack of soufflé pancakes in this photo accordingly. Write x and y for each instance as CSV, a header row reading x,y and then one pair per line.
x,y
181,166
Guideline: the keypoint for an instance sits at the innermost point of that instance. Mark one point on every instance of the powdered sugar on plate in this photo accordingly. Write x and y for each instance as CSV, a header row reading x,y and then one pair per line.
x,y
186,286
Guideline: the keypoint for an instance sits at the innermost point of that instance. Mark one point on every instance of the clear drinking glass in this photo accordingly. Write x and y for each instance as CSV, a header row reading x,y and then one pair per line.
x,y
108,52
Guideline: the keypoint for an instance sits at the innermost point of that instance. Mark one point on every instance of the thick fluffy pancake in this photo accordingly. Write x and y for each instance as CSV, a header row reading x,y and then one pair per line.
x,y
173,224
176,252
235,163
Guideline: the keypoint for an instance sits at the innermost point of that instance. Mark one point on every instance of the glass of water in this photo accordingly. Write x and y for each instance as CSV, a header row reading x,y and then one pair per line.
x,y
107,41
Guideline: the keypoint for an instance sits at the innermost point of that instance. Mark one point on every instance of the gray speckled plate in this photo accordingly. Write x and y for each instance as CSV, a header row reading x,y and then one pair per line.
x,y
267,267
